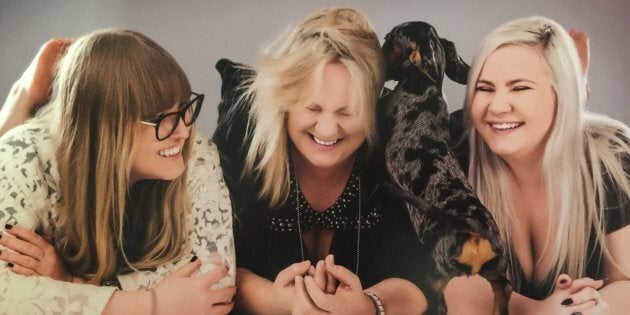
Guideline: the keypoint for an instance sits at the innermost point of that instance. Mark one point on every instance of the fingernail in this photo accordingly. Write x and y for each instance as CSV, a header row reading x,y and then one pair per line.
x,y
568,301
193,259
576,313
8,226
563,281
10,265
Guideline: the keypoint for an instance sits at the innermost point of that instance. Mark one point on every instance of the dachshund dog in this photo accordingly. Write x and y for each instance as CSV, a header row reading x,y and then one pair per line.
x,y
453,227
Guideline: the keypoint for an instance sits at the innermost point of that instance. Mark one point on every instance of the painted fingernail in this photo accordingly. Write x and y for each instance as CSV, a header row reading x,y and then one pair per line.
x,y
563,281
193,259
568,301
576,313
8,226
10,265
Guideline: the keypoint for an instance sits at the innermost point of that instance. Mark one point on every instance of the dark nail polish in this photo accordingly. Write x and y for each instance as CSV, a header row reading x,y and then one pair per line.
x,y
568,301
10,265
193,259
8,226
563,281
576,313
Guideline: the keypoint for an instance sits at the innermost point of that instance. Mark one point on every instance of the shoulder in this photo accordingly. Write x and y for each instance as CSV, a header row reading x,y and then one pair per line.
x,y
27,173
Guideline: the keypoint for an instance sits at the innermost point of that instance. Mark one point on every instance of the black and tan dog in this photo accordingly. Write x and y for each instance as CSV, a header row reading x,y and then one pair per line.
x,y
454,228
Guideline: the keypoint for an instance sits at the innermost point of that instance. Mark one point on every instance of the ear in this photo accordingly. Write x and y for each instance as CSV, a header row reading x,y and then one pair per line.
x,y
456,68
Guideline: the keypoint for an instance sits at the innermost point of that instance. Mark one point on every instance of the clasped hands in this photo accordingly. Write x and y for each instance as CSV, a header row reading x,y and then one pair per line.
x,y
325,288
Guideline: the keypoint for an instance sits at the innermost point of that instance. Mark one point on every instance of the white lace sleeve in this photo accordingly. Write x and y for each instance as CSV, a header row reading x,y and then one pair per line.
x,y
26,198
210,222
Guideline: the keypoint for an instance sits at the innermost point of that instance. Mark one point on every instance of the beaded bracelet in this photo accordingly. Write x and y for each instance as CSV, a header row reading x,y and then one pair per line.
x,y
380,310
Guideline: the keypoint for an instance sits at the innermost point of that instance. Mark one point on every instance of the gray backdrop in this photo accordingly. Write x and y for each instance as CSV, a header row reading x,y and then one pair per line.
x,y
199,32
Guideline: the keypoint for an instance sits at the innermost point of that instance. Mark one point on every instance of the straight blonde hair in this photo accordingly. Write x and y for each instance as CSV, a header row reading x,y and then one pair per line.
x,y
289,69
106,83
582,151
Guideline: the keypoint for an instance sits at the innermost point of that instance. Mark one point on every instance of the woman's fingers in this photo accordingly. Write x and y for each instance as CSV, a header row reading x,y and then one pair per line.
x,y
287,275
21,270
214,276
188,269
19,260
320,275
331,282
222,296
21,246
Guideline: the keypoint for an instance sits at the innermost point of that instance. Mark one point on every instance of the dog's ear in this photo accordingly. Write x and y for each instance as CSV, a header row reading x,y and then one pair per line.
x,y
456,68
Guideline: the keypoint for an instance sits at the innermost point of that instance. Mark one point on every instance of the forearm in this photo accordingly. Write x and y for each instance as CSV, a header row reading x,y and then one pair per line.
x,y
254,294
616,295
26,295
400,296
131,302
14,111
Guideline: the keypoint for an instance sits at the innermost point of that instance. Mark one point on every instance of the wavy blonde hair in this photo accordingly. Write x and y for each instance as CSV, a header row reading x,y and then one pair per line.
x,y
106,83
287,73
581,148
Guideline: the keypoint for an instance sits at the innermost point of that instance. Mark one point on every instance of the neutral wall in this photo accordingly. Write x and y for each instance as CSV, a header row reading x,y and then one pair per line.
x,y
199,32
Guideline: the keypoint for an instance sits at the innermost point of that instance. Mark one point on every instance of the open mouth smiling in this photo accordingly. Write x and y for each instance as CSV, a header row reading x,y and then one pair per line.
x,y
324,142
506,125
169,152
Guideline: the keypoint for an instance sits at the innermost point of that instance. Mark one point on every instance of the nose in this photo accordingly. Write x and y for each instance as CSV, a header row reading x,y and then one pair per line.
x,y
182,131
327,126
499,103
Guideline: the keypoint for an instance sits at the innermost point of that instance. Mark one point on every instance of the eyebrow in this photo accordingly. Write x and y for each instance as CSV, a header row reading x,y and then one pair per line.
x,y
509,83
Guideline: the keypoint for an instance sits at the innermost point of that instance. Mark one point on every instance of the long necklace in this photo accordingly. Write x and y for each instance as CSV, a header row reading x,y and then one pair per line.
x,y
299,224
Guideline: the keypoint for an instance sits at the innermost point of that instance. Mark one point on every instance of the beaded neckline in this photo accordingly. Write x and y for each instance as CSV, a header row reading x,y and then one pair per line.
x,y
341,216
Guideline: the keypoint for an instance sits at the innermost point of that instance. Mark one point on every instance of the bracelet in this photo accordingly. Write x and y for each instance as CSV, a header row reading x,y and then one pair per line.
x,y
380,309
153,302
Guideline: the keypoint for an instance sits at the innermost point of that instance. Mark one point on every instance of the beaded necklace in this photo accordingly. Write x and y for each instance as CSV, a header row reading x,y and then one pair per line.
x,y
298,210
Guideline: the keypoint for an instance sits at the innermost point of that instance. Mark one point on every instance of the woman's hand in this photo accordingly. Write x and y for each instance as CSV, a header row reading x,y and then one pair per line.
x,y
348,297
182,293
574,297
325,281
30,254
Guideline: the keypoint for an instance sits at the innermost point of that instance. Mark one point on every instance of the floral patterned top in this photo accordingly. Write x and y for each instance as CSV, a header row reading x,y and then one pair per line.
x,y
28,197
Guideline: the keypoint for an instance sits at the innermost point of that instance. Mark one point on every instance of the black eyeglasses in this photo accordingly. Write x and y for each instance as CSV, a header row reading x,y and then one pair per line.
x,y
165,124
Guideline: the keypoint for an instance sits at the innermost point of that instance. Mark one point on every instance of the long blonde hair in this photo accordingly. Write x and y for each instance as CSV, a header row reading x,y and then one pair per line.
x,y
581,148
288,70
106,83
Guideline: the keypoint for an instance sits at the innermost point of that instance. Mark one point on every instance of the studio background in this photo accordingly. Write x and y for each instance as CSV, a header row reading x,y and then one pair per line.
x,y
198,33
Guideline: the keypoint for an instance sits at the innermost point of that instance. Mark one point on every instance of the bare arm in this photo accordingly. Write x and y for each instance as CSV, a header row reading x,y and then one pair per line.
x,y
400,296
616,292
33,88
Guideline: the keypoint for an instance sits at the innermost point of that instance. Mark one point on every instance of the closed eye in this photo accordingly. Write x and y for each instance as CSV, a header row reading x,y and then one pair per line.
x,y
521,88
484,88
314,108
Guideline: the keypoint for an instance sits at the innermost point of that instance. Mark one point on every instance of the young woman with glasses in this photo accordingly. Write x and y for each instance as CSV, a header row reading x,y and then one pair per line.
x,y
94,189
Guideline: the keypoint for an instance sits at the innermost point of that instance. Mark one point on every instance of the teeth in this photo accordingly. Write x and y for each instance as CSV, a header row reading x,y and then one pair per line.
x,y
169,152
504,126
322,142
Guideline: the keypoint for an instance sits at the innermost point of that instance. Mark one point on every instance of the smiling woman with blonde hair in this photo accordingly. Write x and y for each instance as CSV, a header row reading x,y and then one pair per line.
x,y
554,175
317,200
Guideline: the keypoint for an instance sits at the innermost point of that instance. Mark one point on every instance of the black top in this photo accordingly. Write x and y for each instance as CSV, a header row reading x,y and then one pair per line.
x,y
267,240
616,216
